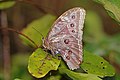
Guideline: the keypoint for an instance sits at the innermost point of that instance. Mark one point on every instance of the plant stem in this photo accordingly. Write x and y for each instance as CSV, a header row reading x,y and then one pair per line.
x,y
20,33
6,46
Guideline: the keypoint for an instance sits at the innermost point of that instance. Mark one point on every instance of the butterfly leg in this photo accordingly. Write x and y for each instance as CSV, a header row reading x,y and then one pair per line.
x,y
55,54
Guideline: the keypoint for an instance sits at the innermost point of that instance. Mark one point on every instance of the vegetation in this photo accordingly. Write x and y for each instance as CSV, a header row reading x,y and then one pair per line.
x,y
28,62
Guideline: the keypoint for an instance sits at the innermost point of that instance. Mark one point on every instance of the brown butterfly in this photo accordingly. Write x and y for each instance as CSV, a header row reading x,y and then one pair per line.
x,y
65,37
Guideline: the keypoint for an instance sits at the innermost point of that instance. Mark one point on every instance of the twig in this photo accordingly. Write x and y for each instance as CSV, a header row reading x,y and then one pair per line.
x,y
10,29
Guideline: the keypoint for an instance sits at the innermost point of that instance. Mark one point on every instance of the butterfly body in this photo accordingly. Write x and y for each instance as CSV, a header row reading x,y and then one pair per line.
x,y
65,37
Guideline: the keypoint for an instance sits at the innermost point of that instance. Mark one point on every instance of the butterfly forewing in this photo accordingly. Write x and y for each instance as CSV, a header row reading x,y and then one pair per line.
x,y
65,37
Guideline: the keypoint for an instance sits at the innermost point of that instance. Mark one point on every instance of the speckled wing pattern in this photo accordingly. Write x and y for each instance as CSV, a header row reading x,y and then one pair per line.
x,y
65,37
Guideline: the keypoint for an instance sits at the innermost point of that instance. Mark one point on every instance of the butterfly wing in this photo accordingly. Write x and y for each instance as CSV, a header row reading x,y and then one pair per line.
x,y
65,37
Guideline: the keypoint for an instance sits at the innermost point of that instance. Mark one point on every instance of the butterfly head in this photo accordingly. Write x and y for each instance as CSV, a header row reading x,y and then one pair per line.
x,y
45,43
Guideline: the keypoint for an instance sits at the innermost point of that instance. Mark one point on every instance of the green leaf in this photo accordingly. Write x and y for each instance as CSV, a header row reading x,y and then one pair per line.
x,y
7,4
40,63
42,25
55,77
78,76
17,79
112,7
93,64
117,77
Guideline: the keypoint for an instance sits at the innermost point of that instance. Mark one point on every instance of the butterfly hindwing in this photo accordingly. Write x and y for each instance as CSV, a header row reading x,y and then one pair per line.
x,y
65,37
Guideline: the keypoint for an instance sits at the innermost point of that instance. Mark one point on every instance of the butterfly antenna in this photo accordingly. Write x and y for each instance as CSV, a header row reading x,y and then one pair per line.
x,y
39,32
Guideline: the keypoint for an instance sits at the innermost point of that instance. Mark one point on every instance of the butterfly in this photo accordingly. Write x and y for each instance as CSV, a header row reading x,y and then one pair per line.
x,y
65,37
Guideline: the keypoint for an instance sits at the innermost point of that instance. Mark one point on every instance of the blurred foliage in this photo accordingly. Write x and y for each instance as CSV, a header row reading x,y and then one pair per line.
x,y
17,79
42,25
55,77
1,76
93,32
117,77
95,39
19,67
7,4
112,7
